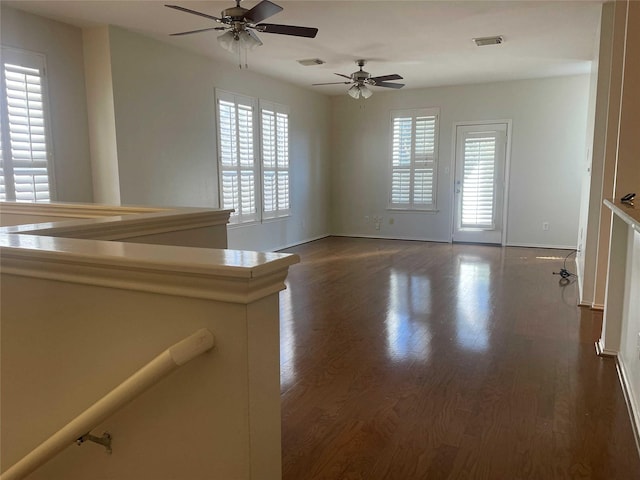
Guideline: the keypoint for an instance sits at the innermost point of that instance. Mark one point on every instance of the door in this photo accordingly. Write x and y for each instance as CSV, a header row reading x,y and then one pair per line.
x,y
479,183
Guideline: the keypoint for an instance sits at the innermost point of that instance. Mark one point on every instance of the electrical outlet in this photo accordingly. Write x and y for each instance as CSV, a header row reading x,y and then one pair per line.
x,y
545,226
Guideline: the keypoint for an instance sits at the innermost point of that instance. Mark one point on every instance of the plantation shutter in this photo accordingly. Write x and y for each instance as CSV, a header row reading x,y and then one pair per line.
x,y
236,152
24,161
478,192
275,160
413,159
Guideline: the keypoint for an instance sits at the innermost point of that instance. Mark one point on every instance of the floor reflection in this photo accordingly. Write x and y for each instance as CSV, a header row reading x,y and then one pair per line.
x,y
409,304
473,303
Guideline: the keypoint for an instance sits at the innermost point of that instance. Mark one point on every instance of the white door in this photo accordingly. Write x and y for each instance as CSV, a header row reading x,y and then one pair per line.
x,y
479,183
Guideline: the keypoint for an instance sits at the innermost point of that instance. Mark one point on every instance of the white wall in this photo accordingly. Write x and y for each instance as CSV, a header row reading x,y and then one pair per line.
x,y
62,46
165,128
548,152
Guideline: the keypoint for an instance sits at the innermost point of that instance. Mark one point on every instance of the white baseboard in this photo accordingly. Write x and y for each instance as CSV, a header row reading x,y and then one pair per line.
x,y
295,244
539,245
390,237
603,352
630,399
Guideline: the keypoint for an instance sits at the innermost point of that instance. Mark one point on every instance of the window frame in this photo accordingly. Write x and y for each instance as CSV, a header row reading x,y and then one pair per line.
x,y
412,206
37,61
238,217
277,109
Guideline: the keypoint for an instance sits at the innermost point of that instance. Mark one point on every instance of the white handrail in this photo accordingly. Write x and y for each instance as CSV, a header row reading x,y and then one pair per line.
x,y
172,358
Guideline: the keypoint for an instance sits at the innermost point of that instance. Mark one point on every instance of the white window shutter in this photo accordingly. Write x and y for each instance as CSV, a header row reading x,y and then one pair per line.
x,y
478,180
236,155
413,159
275,160
24,150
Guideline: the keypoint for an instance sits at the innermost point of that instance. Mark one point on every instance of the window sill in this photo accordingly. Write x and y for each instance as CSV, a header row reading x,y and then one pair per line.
x,y
276,219
412,210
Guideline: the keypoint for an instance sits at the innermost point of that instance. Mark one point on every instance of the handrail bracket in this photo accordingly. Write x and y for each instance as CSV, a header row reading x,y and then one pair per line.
x,y
104,440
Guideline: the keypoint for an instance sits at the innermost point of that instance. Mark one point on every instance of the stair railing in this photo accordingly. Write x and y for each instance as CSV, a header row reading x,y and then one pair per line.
x,y
77,430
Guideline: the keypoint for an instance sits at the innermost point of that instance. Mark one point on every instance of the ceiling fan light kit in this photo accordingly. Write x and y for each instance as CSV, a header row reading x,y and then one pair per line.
x,y
240,25
362,80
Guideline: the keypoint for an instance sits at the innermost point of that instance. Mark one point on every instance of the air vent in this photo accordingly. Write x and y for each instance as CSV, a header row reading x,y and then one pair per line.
x,y
483,41
311,61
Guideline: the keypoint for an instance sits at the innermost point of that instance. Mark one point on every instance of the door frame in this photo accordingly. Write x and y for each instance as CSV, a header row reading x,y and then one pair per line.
x,y
507,170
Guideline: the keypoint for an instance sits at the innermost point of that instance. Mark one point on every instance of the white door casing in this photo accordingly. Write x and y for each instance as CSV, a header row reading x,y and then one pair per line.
x,y
480,182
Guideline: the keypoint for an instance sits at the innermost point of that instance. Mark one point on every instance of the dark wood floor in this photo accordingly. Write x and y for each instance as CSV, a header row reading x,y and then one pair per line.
x,y
411,360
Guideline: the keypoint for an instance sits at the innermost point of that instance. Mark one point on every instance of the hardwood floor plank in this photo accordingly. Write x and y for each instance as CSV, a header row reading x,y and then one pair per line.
x,y
414,360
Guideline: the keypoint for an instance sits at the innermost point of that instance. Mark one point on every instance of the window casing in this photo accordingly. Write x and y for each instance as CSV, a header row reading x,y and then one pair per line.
x,y
237,156
414,159
274,149
25,150
253,157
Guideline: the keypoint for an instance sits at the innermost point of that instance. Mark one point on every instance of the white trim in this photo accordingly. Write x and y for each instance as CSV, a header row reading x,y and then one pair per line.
x,y
36,60
414,112
597,306
507,172
301,242
213,274
121,227
60,209
387,237
540,245
630,400
603,352
406,210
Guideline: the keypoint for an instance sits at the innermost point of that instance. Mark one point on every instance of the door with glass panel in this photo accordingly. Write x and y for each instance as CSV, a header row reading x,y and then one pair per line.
x,y
479,183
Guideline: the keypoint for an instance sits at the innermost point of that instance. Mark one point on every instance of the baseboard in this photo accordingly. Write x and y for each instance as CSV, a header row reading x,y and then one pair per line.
x,y
630,400
301,242
603,352
389,237
538,245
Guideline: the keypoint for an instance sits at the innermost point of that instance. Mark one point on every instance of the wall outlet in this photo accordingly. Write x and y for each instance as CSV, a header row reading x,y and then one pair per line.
x,y
545,226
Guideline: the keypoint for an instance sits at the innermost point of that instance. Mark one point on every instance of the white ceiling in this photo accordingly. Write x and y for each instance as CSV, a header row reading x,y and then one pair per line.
x,y
427,42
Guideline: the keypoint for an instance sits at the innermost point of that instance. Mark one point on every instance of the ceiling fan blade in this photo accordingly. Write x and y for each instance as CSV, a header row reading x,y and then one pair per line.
x,y
288,30
196,31
345,76
384,78
262,11
332,83
389,85
188,10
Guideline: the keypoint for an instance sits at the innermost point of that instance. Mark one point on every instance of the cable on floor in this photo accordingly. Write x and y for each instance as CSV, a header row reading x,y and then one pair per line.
x,y
566,277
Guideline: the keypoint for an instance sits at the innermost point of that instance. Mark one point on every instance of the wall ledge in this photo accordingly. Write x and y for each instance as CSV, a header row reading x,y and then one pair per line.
x,y
74,209
225,275
113,223
88,251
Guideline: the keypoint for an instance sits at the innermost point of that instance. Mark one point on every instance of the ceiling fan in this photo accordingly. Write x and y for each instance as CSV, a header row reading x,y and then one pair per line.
x,y
240,25
361,80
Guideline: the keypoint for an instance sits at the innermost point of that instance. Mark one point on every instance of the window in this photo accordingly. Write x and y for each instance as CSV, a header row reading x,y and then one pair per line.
x,y
236,152
253,157
414,159
25,169
275,160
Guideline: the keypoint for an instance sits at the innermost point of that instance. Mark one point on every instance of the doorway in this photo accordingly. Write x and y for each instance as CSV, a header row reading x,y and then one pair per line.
x,y
479,182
